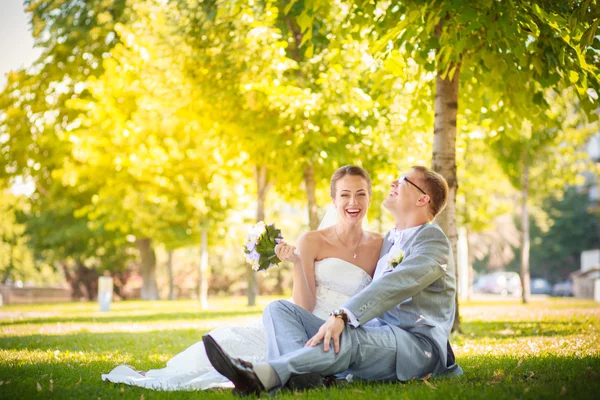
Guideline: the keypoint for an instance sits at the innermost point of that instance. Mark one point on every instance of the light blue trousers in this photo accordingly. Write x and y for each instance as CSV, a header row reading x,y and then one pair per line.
x,y
365,352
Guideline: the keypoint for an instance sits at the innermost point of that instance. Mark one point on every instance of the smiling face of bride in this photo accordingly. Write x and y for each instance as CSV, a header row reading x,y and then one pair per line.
x,y
352,198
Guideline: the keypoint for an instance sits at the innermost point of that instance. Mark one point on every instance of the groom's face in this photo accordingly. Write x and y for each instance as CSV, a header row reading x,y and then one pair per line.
x,y
404,195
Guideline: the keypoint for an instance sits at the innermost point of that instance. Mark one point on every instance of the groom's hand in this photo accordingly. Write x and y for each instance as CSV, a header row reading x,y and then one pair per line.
x,y
331,329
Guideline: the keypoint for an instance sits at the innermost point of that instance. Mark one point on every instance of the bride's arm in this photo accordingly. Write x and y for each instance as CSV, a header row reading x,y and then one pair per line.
x,y
304,290
304,287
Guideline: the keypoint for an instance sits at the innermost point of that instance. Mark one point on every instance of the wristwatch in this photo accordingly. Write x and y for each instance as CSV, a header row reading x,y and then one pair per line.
x,y
340,313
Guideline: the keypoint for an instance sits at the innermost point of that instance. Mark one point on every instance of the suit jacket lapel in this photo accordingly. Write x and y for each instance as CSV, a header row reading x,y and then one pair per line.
x,y
387,245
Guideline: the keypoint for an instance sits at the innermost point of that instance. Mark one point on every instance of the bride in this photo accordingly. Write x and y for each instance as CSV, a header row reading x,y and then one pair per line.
x,y
334,263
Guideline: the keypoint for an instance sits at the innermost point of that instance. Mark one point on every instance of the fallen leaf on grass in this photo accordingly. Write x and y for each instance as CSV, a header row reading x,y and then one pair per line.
x,y
425,381
530,376
122,390
497,377
563,391
429,384
79,381
51,385
39,387
520,361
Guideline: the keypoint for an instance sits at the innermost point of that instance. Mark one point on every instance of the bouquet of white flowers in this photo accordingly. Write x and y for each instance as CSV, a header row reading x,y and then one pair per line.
x,y
260,246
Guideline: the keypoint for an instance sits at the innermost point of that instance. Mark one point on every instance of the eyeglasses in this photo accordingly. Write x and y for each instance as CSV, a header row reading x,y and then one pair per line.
x,y
412,183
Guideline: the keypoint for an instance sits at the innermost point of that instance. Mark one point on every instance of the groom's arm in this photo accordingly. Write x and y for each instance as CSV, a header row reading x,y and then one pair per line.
x,y
385,248
426,263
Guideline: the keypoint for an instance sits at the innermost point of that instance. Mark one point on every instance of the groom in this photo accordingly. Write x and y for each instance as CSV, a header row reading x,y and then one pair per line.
x,y
395,329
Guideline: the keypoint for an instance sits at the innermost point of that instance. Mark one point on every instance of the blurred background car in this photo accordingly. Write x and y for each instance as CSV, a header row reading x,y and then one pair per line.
x,y
563,289
540,286
502,283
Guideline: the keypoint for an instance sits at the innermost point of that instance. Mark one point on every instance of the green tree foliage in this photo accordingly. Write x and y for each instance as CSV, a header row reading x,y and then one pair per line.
x,y
541,155
74,37
496,52
34,142
144,130
16,258
154,120
568,225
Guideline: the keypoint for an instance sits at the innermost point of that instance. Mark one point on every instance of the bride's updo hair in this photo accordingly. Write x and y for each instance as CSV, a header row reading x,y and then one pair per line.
x,y
352,170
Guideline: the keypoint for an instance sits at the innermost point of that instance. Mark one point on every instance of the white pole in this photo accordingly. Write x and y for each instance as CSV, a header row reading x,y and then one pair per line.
x,y
105,292
462,248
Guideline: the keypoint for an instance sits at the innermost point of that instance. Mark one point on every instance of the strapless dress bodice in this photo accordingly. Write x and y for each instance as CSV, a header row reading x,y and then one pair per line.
x,y
336,281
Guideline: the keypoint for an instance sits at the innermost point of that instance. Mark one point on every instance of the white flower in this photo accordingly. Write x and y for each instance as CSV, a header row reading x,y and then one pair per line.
x,y
395,259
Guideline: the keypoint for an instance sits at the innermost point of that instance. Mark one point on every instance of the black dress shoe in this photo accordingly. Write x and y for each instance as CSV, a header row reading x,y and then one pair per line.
x,y
305,382
313,381
240,372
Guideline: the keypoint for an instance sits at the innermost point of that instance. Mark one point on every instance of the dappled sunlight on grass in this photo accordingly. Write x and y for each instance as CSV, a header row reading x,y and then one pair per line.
x,y
560,327
215,304
134,316
70,358
98,326
573,345
507,350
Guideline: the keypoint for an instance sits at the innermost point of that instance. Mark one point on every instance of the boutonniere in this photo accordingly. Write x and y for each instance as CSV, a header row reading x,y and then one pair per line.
x,y
395,260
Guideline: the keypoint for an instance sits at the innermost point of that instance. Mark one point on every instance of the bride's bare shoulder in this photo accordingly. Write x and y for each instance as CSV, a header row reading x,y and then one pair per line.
x,y
311,240
312,236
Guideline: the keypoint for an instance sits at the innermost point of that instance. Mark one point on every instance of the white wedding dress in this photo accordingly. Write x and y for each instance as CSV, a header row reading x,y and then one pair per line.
x,y
336,281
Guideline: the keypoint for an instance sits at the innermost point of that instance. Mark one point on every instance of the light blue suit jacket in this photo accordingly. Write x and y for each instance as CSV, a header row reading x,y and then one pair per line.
x,y
426,276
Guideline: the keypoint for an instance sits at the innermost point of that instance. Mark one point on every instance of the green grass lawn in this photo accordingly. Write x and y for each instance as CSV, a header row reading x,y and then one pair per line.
x,y
547,349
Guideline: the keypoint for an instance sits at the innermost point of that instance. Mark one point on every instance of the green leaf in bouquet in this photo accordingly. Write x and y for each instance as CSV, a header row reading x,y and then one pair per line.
x,y
264,246
274,259
271,233
263,263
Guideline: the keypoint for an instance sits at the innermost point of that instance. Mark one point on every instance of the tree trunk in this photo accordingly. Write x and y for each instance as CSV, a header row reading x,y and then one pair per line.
x,y
309,182
83,281
444,158
203,284
278,289
172,295
148,269
119,280
88,278
525,245
76,292
262,186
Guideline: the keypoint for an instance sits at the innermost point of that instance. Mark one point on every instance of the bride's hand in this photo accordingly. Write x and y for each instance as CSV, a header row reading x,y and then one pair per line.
x,y
286,252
